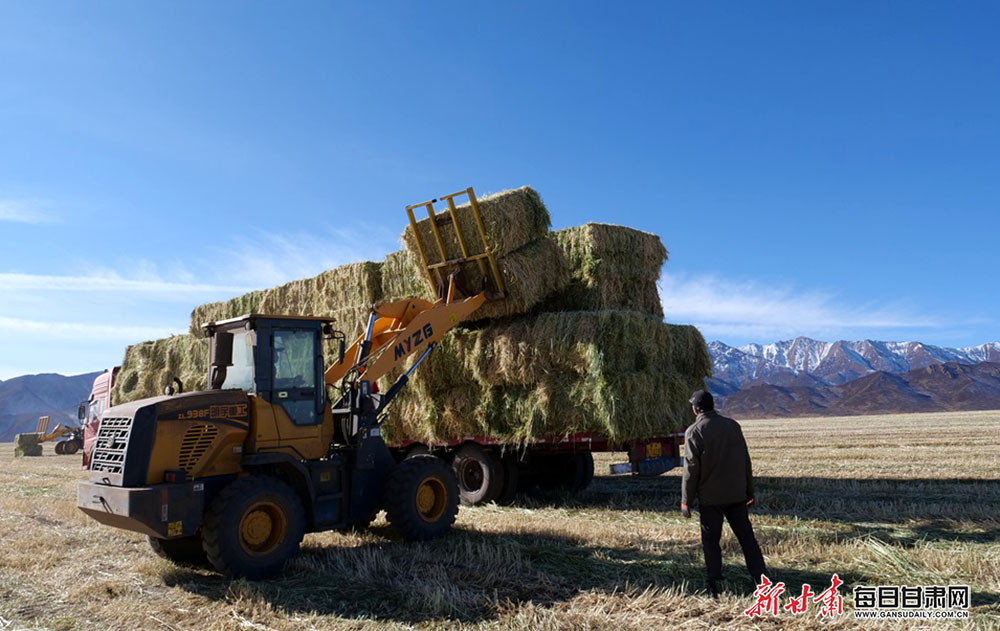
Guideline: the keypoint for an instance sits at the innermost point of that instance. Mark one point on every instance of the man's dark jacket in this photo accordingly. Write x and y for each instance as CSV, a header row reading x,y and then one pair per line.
x,y
717,466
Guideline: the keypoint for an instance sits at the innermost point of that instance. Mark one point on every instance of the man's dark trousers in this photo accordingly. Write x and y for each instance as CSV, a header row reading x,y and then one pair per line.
x,y
711,532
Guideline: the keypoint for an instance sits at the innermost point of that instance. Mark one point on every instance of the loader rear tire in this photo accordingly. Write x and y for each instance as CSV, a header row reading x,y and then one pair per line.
x,y
479,473
253,527
417,450
421,498
182,551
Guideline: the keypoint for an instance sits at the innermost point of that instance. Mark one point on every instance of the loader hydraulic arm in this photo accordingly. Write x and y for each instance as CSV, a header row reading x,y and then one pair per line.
x,y
398,330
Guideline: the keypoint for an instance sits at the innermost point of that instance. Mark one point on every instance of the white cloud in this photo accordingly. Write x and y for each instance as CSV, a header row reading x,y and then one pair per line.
x,y
78,330
267,259
110,283
751,310
24,211
67,322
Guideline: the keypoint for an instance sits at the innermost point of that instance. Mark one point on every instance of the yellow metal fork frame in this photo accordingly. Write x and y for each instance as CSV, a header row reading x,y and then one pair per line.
x,y
486,259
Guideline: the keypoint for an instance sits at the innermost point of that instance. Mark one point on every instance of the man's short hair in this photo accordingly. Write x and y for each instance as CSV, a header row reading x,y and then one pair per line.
x,y
702,399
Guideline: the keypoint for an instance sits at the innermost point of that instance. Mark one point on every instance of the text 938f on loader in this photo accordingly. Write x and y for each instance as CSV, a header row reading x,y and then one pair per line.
x,y
280,445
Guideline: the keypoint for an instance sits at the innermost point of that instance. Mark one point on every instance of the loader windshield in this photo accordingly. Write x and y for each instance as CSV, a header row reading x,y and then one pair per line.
x,y
240,374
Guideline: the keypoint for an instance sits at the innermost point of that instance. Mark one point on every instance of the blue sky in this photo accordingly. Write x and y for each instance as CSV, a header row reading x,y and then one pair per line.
x,y
826,169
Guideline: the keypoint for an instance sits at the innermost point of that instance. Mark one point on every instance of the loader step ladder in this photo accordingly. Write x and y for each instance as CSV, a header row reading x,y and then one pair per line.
x,y
445,265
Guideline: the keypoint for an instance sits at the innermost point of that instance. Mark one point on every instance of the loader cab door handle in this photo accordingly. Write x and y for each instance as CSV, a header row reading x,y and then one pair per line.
x,y
297,393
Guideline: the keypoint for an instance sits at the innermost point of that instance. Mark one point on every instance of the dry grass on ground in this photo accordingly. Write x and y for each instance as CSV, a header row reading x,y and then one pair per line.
x,y
894,499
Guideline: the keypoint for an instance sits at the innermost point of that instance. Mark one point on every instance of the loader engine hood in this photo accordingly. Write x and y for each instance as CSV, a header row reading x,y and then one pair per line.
x,y
199,433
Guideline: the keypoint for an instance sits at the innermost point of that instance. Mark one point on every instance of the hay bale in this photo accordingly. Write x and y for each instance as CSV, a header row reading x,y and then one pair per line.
x,y
524,350
516,224
149,367
531,274
341,293
614,373
689,353
619,406
26,439
402,278
512,219
232,308
611,267
27,445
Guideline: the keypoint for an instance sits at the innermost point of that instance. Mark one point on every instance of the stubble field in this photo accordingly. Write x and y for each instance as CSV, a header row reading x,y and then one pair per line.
x,y
903,499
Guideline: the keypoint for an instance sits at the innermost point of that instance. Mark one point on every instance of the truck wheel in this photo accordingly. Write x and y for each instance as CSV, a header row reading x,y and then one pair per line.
x,y
577,471
252,527
70,447
58,448
182,551
421,498
555,471
587,465
510,479
479,473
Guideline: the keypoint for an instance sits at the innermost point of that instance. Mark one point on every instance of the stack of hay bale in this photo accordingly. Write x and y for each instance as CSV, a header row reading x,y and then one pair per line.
x,y
578,345
593,355
27,445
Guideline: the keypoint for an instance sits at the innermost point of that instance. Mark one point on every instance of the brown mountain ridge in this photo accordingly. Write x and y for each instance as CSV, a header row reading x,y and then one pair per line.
x,y
950,386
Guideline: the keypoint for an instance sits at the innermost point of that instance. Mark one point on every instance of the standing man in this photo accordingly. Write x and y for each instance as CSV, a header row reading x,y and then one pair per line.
x,y
718,474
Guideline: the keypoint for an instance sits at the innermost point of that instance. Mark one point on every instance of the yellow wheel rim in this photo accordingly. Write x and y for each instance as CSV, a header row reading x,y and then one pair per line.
x,y
262,528
432,498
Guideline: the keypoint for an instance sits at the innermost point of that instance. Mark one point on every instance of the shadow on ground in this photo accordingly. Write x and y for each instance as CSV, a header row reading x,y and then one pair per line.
x,y
959,510
468,576
473,576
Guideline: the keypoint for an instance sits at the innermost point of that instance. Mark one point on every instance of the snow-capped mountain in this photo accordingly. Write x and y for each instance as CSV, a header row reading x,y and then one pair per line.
x,y
807,362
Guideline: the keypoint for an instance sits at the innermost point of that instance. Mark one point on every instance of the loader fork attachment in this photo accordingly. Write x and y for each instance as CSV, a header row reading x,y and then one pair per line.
x,y
397,330
436,271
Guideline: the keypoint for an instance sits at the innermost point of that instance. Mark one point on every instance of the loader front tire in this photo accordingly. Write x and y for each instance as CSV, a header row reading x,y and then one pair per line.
x,y
253,527
421,498
70,447
182,551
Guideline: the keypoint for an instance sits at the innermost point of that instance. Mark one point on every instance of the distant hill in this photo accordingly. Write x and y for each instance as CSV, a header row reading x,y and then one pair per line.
x,y
949,386
807,362
23,399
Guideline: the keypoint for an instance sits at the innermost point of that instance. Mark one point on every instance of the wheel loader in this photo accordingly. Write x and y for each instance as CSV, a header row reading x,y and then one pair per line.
x,y
279,444
68,440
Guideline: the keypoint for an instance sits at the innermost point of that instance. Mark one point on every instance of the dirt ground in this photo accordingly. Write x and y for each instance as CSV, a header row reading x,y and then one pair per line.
x,y
903,499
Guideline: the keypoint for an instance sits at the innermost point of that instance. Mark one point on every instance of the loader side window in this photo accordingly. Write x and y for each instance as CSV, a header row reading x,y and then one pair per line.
x,y
240,374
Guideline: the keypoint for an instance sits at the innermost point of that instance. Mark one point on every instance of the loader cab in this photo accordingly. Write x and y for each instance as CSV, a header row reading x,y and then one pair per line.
x,y
279,359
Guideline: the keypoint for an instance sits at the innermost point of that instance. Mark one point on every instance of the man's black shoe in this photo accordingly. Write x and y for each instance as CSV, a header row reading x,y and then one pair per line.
x,y
713,588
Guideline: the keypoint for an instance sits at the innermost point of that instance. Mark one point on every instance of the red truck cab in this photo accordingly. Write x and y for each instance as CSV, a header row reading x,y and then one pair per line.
x,y
91,410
